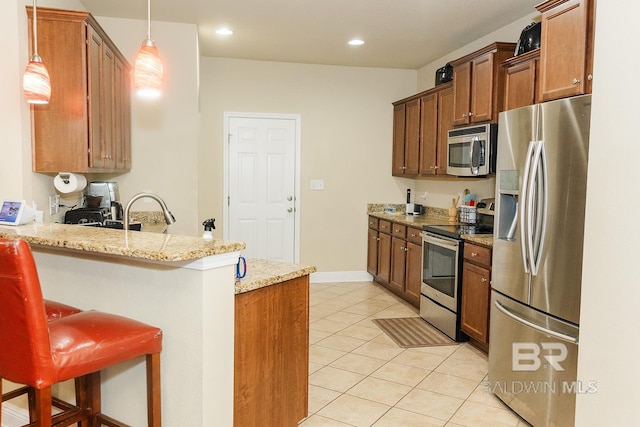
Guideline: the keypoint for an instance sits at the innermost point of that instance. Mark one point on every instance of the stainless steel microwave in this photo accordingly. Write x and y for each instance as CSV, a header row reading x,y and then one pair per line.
x,y
471,151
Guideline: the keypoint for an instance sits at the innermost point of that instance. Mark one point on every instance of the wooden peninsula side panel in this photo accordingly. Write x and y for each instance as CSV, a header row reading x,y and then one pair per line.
x,y
272,355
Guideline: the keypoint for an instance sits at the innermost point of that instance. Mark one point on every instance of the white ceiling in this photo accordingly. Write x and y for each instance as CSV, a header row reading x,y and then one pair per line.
x,y
398,33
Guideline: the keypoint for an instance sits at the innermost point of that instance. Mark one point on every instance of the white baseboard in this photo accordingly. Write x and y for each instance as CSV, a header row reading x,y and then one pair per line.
x,y
340,276
13,416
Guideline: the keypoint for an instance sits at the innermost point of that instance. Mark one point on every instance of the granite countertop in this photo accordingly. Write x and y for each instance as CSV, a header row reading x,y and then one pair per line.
x,y
431,219
261,273
133,244
412,220
482,239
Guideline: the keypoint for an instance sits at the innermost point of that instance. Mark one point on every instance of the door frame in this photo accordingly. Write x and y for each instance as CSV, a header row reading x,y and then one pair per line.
x,y
297,118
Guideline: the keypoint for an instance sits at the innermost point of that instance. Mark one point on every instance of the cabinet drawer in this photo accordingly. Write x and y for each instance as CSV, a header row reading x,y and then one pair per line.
x,y
477,254
373,222
413,235
384,226
399,230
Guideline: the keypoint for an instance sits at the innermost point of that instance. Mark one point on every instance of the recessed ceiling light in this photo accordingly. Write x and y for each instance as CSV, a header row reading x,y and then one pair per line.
x,y
224,32
356,42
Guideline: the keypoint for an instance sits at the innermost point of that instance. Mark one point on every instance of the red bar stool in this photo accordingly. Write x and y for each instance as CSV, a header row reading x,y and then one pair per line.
x,y
39,354
56,310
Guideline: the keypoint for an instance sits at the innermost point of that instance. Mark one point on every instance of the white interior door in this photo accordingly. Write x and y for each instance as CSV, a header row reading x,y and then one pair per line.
x,y
261,184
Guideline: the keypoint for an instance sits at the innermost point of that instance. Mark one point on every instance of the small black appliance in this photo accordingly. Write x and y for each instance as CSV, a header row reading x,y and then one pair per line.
x,y
444,74
529,38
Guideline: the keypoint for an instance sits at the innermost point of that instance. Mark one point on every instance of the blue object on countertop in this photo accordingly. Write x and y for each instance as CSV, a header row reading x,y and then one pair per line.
x,y
241,268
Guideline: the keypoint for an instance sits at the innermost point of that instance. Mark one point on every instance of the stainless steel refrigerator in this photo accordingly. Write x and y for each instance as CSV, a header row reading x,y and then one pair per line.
x,y
541,179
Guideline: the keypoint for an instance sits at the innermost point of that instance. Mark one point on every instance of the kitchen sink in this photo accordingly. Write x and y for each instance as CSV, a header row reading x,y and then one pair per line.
x,y
118,225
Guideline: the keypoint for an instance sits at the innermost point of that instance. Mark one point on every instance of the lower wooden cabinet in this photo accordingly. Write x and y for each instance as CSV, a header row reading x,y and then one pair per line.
x,y
271,357
394,258
476,294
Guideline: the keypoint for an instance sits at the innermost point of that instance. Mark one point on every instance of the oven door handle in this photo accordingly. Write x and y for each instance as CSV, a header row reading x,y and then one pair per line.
x,y
439,242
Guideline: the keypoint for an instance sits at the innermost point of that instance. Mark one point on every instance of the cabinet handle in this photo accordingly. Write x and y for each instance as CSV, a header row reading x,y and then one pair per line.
x,y
590,77
464,115
474,254
576,81
483,280
470,113
406,249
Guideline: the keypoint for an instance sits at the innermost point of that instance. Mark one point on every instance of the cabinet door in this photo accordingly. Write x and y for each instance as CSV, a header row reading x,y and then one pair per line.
x,y
384,258
372,252
399,119
475,302
121,128
412,138
445,123
428,133
519,85
461,93
398,264
413,276
482,88
108,143
563,50
94,76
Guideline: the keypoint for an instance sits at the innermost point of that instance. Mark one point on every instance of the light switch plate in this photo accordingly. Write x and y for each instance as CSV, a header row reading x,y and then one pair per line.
x,y
317,184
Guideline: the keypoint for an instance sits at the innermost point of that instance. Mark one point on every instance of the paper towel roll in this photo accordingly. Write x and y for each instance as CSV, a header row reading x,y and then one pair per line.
x,y
69,182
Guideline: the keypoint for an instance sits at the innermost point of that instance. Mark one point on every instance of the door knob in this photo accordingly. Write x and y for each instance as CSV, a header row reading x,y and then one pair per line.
x,y
290,210
289,198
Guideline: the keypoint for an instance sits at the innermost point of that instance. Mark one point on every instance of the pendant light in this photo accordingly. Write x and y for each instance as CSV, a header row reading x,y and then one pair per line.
x,y
148,70
36,84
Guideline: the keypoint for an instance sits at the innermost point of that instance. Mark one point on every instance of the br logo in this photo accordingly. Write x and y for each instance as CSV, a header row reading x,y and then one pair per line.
x,y
529,356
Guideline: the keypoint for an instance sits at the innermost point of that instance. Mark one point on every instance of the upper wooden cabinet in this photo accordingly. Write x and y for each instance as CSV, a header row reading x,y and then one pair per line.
x,y
420,126
87,125
478,84
406,138
436,121
520,87
566,48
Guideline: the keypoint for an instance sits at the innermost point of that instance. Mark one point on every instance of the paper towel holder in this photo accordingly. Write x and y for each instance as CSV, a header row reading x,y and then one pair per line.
x,y
67,182
64,176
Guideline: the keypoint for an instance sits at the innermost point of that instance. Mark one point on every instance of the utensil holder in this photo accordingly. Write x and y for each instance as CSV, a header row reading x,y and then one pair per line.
x,y
468,214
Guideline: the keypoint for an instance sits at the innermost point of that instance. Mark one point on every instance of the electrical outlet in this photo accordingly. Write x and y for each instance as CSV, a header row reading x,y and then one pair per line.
x,y
54,204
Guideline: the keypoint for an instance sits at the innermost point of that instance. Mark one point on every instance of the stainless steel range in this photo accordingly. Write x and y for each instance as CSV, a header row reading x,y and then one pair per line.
x,y
442,247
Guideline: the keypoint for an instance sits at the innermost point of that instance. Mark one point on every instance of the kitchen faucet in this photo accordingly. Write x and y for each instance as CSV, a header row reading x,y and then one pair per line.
x,y
168,216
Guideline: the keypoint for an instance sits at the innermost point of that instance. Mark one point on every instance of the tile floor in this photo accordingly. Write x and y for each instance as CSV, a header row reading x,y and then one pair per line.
x,y
360,377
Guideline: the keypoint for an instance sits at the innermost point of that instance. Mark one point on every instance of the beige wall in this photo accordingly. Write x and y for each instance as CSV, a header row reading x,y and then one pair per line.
x,y
609,346
164,132
346,118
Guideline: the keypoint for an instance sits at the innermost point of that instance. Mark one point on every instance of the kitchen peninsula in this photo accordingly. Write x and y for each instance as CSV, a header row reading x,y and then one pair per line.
x,y
183,285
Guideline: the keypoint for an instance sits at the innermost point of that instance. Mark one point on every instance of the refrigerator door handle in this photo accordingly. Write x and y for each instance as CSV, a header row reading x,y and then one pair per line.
x,y
542,203
523,212
555,334
537,207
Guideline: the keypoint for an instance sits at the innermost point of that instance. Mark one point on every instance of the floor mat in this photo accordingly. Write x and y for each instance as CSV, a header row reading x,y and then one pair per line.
x,y
412,332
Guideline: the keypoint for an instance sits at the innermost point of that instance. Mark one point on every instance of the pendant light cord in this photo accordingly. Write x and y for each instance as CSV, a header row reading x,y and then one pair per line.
x,y
148,19
35,29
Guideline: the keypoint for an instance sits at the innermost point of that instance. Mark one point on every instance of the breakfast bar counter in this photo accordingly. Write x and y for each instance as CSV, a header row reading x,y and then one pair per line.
x,y
184,285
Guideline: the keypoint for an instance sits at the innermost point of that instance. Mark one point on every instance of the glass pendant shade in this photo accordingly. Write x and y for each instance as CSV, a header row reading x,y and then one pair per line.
x,y
148,71
36,83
